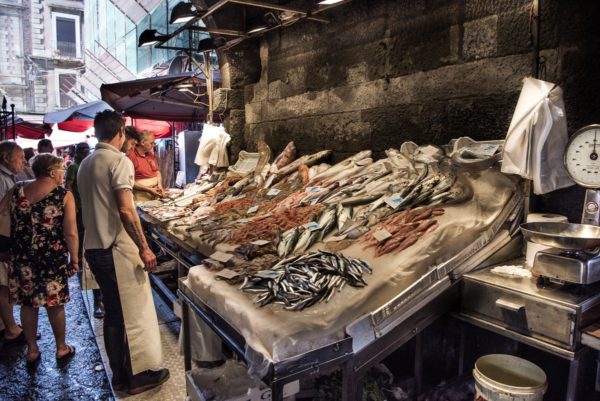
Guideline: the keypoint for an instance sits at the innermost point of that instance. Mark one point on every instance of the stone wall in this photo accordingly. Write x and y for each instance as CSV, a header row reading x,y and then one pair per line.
x,y
383,72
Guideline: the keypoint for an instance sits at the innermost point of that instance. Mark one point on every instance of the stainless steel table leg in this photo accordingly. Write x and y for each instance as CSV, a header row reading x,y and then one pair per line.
x,y
277,391
185,327
419,363
573,378
351,382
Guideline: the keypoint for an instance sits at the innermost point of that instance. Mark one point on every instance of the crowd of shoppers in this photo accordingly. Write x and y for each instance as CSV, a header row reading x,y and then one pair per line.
x,y
44,213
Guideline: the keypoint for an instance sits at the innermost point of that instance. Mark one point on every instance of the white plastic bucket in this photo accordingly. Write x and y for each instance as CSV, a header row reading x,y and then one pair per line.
x,y
501,377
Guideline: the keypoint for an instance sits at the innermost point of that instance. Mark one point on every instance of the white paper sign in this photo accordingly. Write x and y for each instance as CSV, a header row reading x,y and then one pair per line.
x,y
381,235
222,257
394,201
253,209
260,242
312,189
227,274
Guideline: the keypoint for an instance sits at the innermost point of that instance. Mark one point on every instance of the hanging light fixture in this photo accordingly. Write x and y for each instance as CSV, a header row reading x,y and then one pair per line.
x,y
150,37
183,12
329,2
211,43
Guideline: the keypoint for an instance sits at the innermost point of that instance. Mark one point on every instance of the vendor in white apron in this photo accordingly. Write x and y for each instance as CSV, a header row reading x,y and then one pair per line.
x,y
148,180
118,255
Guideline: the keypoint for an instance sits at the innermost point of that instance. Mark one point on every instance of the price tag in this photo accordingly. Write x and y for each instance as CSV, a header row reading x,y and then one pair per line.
x,y
253,209
381,235
484,149
227,274
222,257
314,201
312,226
242,221
312,189
394,201
260,242
273,192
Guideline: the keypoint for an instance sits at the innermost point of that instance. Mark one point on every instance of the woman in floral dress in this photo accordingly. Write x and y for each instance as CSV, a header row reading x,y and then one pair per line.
x,y
44,233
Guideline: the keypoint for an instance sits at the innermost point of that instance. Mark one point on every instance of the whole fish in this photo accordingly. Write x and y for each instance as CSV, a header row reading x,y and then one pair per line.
x,y
344,214
287,242
343,165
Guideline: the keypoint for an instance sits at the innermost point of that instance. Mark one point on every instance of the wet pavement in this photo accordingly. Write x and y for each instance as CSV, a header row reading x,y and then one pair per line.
x,y
82,378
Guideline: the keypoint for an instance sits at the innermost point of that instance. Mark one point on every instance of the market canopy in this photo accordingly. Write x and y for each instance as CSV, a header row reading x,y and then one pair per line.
x,y
176,97
28,130
86,111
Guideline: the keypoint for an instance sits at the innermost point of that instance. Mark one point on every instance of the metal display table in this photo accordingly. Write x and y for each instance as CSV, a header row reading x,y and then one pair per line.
x,y
368,339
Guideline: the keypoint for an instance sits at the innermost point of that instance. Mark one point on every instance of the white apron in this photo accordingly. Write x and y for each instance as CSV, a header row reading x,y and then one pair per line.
x,y
139,313
143,195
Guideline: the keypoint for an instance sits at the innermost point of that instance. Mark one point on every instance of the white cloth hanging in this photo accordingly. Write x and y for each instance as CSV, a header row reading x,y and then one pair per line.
x,y
212,150
537,136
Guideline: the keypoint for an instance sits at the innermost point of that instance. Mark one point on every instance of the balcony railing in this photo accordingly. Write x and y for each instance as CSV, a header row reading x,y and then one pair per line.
x,y
67,49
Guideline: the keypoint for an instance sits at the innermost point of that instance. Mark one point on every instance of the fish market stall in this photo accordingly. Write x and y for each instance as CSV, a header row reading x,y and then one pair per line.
x,y
310,265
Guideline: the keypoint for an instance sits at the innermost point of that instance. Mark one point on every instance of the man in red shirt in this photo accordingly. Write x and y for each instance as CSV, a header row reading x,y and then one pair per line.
x,y
148,180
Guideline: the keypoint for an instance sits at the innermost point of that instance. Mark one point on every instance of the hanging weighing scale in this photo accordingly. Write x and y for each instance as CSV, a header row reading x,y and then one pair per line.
x,y
573,254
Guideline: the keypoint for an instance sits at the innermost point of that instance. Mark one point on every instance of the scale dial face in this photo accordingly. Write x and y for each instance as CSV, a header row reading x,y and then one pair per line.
x,y
582,156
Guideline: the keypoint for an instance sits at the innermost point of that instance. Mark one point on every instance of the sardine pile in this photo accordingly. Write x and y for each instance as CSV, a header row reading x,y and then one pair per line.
x,y
302,281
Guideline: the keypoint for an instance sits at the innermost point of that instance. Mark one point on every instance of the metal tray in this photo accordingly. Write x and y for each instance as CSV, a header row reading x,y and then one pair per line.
x,y
576,237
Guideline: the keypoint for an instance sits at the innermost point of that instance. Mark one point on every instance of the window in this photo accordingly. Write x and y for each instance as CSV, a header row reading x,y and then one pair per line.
x,y
66,81
67,41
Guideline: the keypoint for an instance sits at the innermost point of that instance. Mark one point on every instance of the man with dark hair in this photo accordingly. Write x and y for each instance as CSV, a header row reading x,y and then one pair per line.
x,y
132,138
12,162
82,150
118,255
45,146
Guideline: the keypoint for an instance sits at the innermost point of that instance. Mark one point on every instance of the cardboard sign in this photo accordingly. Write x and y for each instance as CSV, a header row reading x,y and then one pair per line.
x,y
394,201
222,257
381,235
227,274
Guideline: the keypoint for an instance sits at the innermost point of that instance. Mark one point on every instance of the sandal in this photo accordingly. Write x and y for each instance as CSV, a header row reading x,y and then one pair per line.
x,y
68,354
31,362
20,339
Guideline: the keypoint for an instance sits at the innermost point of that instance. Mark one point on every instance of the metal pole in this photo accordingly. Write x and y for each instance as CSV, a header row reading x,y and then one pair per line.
x,y
535,38
12,112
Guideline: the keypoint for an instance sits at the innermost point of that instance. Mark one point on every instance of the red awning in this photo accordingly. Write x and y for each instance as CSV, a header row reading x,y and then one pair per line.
x,y
160,129
76,125
27,130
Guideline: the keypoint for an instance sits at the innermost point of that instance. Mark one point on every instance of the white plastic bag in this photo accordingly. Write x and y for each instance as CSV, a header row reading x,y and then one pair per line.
x,y
536,139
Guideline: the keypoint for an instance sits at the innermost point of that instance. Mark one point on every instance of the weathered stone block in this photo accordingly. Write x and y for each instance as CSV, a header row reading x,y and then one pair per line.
x,y
480,38
513,32
475,9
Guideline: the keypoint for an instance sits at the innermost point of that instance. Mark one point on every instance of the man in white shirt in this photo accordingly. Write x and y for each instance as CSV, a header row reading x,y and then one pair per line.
x,y
12,162
118,254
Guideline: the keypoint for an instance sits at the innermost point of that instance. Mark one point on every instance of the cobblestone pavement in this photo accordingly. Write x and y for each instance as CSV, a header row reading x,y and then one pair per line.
x,y
82,378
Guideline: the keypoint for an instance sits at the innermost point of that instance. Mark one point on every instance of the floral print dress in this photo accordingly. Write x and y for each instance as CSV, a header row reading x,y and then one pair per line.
x,y
39,256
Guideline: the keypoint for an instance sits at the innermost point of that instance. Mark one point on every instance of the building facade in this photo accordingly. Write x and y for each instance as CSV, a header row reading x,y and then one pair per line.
x,y
42,54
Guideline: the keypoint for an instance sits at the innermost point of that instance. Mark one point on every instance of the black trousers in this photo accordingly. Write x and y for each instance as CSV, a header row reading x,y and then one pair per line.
x,y
102,264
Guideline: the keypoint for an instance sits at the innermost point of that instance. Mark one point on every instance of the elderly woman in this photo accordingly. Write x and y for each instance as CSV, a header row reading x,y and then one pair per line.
x,y
44,233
